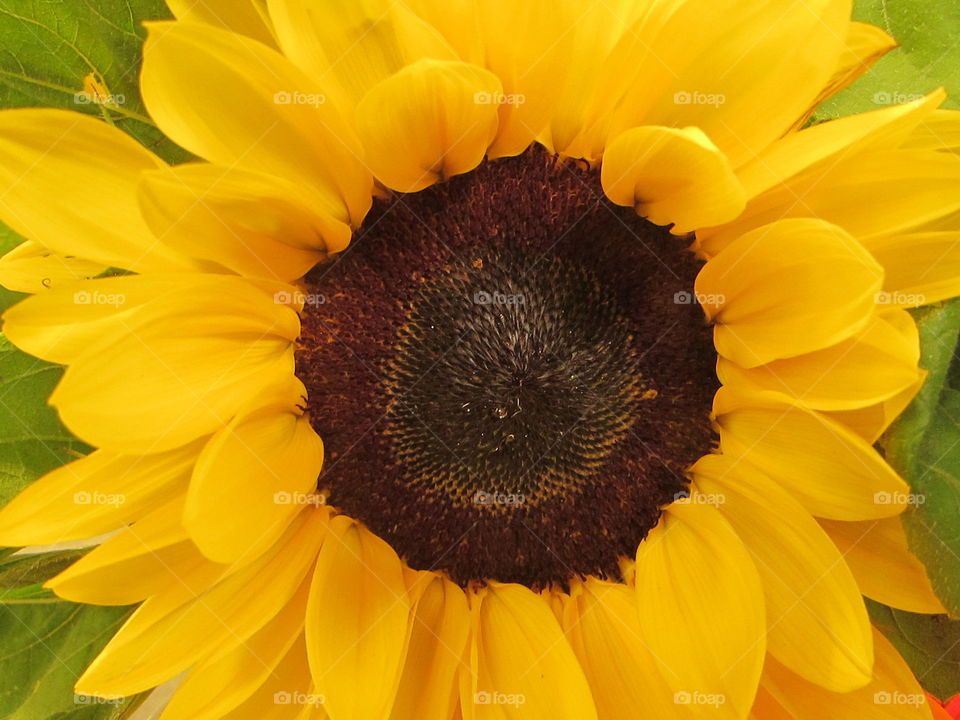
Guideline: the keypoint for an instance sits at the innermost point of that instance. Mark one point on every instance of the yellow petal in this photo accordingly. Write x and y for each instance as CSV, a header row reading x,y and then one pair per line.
x,y
875,365
921,268
742,77
818,624
521,663
865,44
286,695
428,122
217,686
458,21
830,470
63,323
354,44
68,182
871,422
357,622
247,17
252,223
788,288
702,609
172,631
183,374
252,478
265,115
32,268
894,693
532,71
441,622
673,177
600,620
886,570
940,130
94,495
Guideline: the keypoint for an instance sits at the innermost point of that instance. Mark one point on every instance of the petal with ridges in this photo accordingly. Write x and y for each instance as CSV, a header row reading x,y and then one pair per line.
x,y
788,288
818,624
247,17
875,365
672,176
428,122
91,169
699,594
250,479
920,268
600,620
266,114
428,685
521,663
357,622
172,631
881,561
94,495
830,470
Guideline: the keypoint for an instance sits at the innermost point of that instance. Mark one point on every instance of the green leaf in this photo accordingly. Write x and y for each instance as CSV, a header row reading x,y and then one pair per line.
x,y
20,570
49,49
928,56
930,644
43,649
924,447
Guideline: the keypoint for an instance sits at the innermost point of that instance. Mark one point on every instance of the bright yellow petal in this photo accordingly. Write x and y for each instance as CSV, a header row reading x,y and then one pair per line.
x,y
354,44
357,622
886,570
94,495
32,268
247,17
286,695
459,23
522,665
940,130
600,620
672,176
818,624
428,686
921,268
428,122
265,115
871,367
220,684
91,169
172,631
871,422
702,609
894,693
252,478
252,223
533,70
830,470
788,288
183,373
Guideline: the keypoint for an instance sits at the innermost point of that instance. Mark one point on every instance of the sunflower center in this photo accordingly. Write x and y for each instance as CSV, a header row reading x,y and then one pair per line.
x,y
508,373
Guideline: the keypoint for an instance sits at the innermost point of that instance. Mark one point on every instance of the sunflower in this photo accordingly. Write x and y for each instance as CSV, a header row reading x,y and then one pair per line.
x,y
493,359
